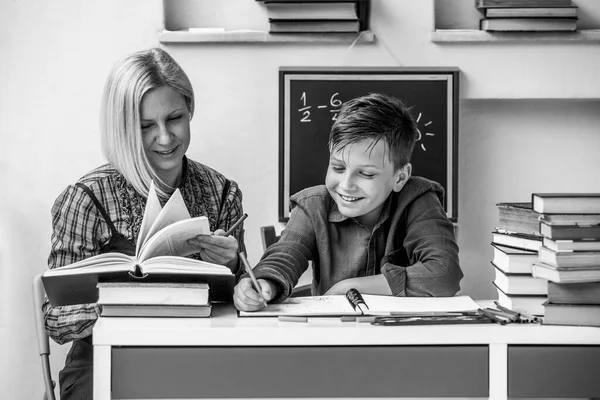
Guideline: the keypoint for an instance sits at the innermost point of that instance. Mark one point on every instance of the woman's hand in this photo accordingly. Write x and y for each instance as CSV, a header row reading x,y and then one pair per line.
x,y
217,248
246,298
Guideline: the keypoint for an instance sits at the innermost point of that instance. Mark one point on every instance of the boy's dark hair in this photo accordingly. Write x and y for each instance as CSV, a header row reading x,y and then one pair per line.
x,y
376,116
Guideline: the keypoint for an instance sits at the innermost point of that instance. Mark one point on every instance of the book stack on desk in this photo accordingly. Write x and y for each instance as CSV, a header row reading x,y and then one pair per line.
x,y
570,256
515,244
141,299
527,15
317,16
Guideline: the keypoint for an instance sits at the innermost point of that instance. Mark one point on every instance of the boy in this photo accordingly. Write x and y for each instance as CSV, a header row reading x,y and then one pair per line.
x,y
371,226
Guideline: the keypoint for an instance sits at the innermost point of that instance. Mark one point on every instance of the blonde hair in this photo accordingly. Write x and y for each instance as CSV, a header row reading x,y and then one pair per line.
x,y
120,127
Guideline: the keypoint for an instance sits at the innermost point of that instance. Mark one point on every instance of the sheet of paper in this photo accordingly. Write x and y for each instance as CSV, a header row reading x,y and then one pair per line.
x,y
411,305
306,306
150,214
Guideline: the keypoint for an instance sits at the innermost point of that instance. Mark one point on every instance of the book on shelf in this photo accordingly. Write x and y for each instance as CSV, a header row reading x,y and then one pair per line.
x,y
574,259
313,26
355,304
155,311
572,245
528,24
565,274
570,232
532,12
530,304
521,3
574,293
523,284
153,293
572,314
160,257
566,203
512,260
516,240
346,10
570,219
518,217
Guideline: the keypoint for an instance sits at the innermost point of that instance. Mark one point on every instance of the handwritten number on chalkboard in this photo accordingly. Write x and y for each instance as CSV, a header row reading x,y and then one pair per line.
x,y
305,110
336,103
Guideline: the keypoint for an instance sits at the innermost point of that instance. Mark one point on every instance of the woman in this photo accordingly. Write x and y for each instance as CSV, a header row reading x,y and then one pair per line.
x,y
147,106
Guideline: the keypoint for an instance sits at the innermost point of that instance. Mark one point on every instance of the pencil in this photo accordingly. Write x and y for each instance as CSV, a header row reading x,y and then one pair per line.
x,y
239,221
252,277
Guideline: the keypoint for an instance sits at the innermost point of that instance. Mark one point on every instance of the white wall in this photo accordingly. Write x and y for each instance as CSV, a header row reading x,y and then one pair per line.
x,y
56,55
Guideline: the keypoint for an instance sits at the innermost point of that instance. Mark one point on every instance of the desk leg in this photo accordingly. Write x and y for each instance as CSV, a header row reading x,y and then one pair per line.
x,y
498,371
102,372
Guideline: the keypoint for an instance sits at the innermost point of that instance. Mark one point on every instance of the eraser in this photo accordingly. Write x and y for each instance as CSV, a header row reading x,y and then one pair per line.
x,y
288,318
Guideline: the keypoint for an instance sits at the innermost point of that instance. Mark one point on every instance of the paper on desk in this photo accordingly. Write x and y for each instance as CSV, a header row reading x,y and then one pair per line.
x,y
338,305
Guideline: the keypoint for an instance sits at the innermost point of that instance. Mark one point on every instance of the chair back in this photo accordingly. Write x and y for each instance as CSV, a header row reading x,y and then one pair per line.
x,y
39,295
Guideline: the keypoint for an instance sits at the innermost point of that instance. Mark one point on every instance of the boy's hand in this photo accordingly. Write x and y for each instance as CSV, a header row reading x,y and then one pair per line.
x,y
217,248
245,298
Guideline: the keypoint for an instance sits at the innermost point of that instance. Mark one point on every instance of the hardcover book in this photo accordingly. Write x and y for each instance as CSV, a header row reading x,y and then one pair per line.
x,y
532,12
155,311
572,314
153,293
307,26
565,274
522,284
355,304
517,240
574,293
518,217
530,304
321,10
513,260
160,257
575,259
566,203
528,24
570,232
521,3
572,245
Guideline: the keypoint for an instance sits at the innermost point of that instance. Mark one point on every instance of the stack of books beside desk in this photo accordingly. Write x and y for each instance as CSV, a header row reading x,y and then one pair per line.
x,y
570,256
317,16
527,15
515,244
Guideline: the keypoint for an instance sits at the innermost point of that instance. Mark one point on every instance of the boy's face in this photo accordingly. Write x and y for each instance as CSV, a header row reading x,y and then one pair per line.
x,y
360,178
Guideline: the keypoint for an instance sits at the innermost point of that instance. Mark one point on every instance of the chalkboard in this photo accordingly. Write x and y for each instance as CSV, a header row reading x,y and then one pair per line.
x,y
310,99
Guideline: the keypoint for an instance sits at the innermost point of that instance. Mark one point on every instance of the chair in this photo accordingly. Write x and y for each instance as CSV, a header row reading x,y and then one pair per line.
x,y
39,294
268,238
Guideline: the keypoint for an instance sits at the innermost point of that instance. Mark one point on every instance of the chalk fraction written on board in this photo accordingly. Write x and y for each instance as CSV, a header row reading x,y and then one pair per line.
x,y
310,100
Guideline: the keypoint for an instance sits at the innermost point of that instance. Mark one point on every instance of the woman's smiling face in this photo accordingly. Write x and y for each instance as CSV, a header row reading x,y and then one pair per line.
x,y
165,125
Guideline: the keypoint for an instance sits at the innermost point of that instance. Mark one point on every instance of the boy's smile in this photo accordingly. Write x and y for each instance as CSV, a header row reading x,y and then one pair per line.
x,y
360,178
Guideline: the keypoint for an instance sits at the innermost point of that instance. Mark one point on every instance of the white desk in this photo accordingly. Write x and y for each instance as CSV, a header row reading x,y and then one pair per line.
x,y
228,357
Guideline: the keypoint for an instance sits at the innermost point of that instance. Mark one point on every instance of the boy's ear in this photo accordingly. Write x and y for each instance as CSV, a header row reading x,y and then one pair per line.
x,y
402,176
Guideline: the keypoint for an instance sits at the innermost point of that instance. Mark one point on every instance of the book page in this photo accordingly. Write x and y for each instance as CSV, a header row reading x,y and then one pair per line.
x,y
102,263
172,239
385,305
175,210
336,305
184,266
150,214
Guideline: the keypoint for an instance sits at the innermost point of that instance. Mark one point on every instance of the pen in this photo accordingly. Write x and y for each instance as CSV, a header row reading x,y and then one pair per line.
x,y
239,221
252,277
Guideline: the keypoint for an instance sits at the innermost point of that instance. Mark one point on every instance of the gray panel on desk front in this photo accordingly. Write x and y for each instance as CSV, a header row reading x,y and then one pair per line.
x,y
345,371
554,371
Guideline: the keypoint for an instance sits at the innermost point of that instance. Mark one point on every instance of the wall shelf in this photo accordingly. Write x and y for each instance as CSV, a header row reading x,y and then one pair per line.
x,y
471,35
258,36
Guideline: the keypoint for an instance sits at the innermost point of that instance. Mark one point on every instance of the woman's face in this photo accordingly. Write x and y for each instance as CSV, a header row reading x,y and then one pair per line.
x,y
165,124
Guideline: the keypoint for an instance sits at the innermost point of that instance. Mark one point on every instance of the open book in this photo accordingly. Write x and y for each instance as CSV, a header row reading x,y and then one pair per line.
x,y
159,257
353,303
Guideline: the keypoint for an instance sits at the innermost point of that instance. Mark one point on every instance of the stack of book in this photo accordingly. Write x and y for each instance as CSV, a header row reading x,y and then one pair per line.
x,y
317,16
570,256
516,242
141,299
527,15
